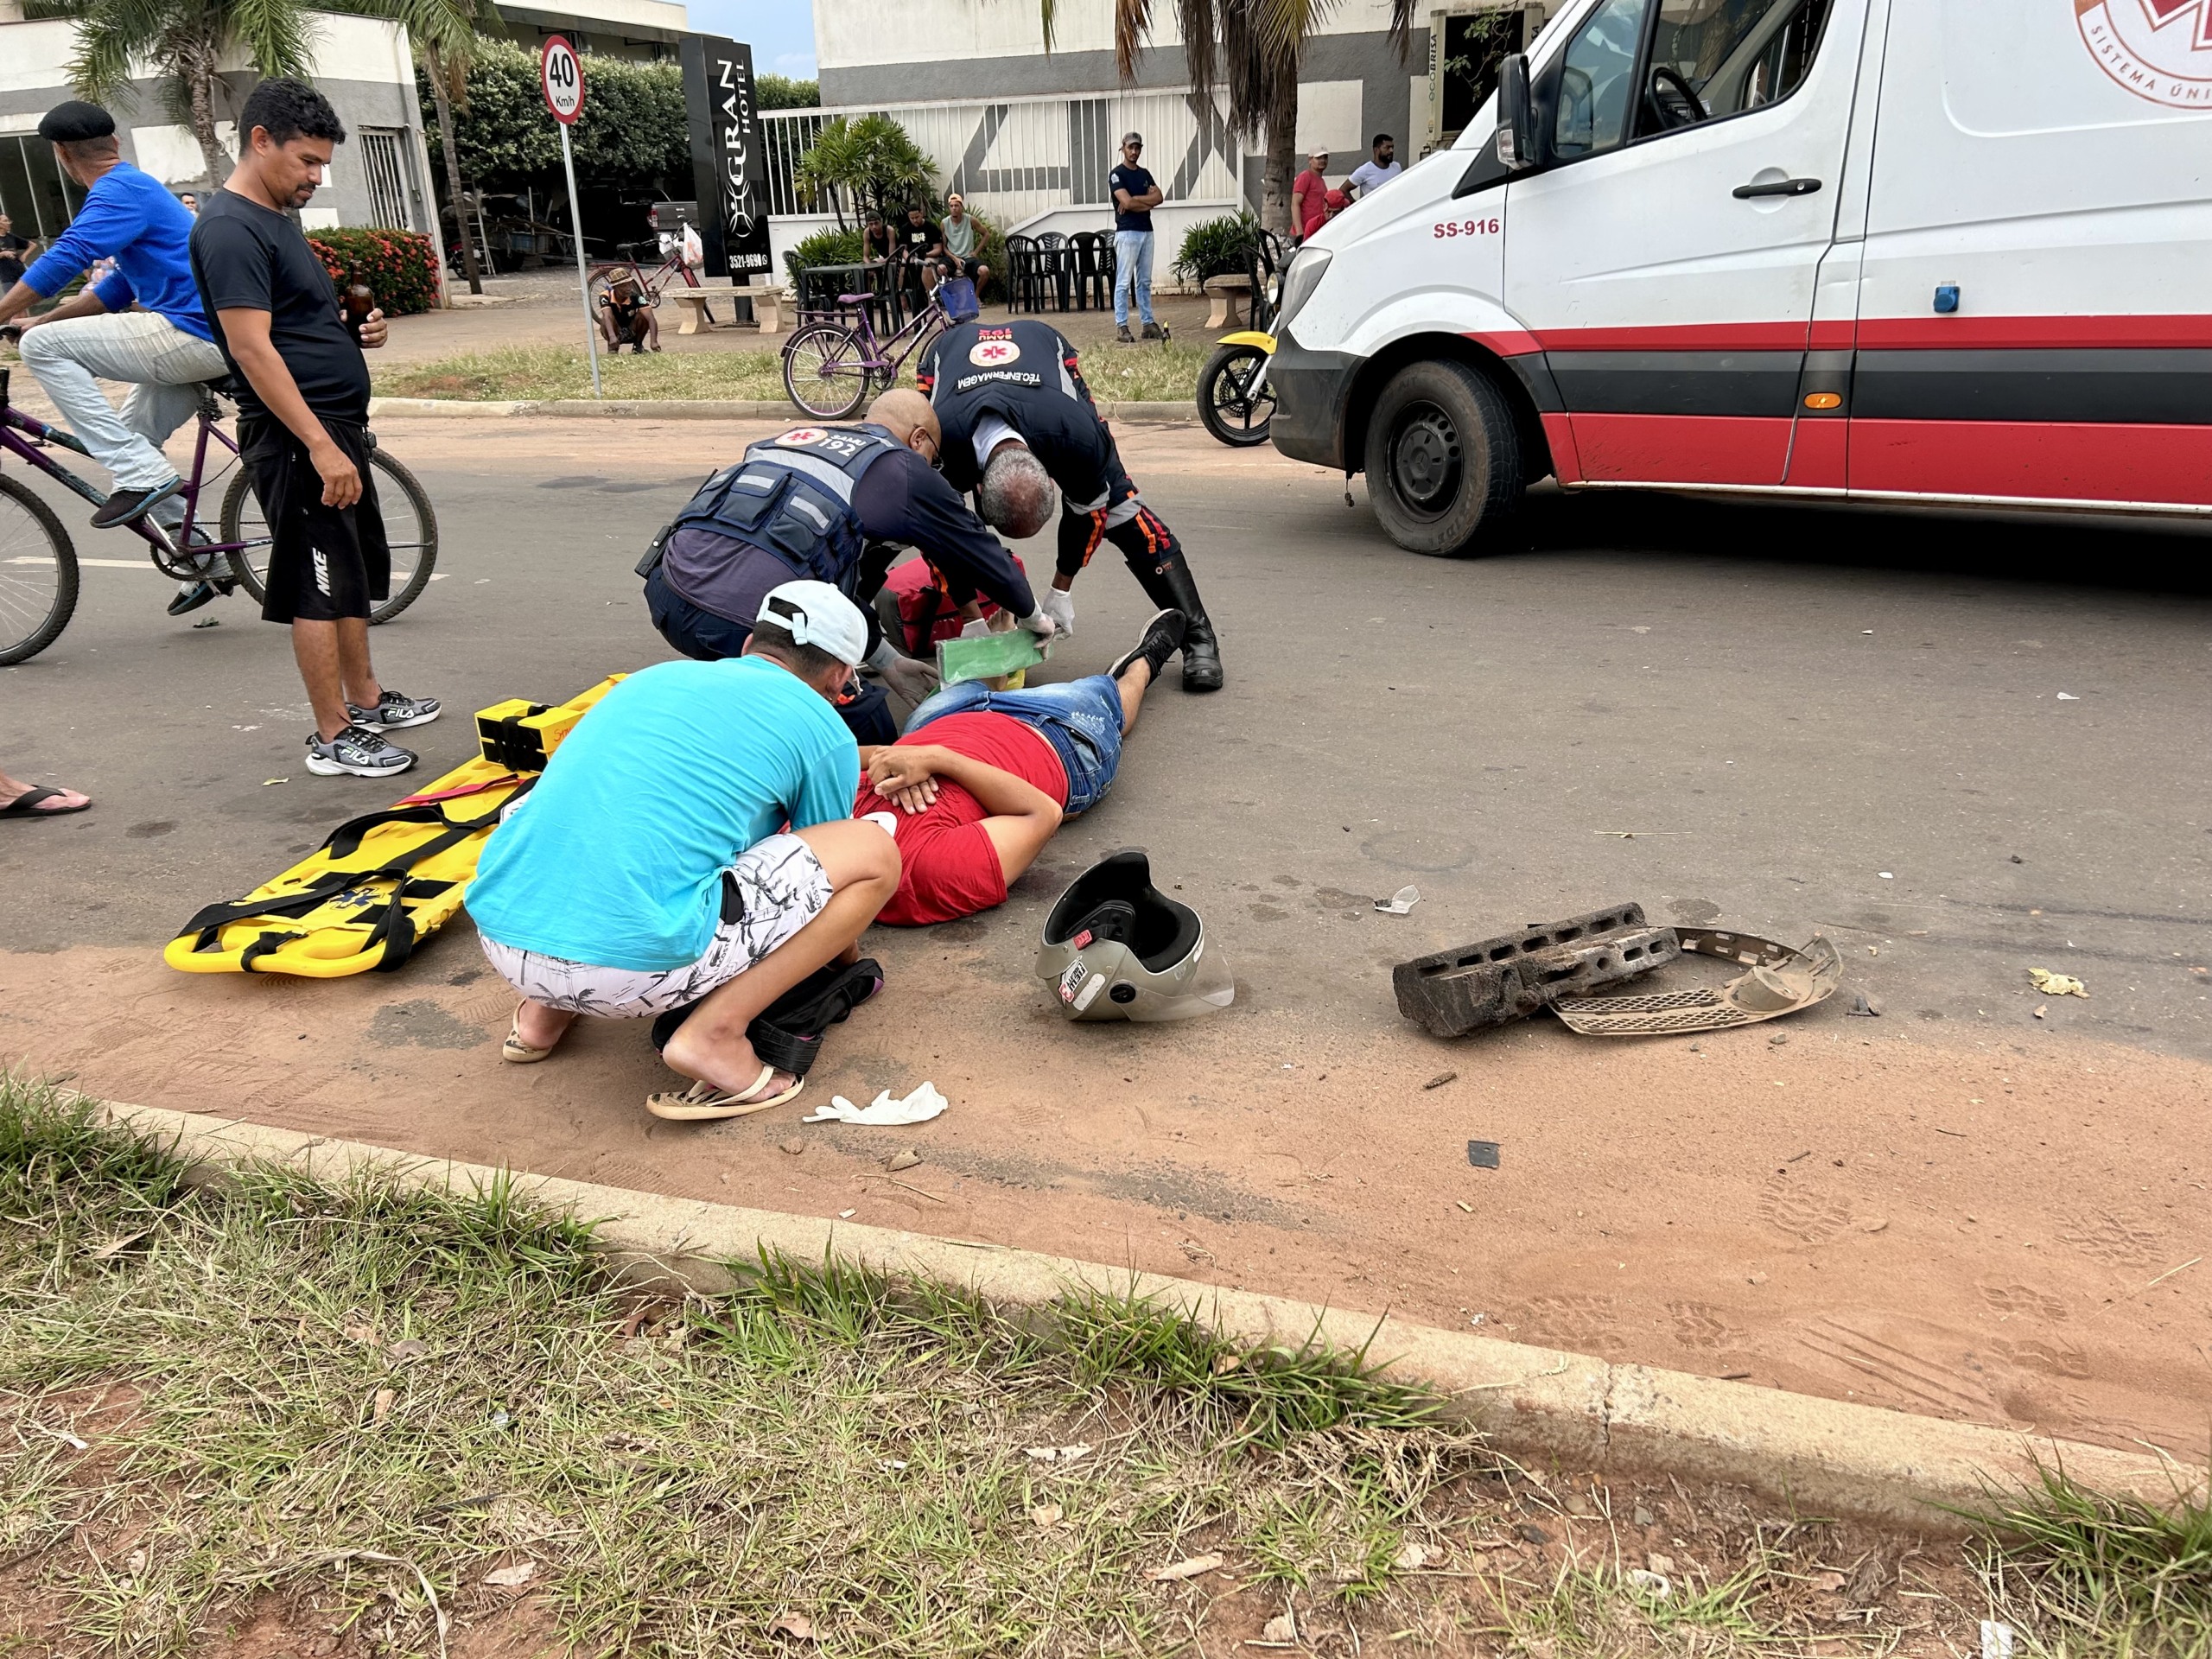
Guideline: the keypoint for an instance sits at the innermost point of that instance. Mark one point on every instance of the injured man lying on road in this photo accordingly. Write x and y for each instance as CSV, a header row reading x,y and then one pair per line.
x,y
982,778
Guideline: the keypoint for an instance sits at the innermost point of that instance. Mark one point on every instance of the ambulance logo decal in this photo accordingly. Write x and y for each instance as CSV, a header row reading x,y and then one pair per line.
x,y
804,434
995,353
2157,49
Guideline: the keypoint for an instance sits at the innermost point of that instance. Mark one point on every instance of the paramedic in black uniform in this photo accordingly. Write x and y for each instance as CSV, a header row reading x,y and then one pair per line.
x,y
834,504
1018,419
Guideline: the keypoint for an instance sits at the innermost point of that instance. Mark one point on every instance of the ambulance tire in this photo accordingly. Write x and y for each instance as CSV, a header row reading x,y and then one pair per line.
x,y
1443,458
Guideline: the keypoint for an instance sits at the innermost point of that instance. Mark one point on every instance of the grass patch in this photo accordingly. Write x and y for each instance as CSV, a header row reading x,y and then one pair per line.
x,y
2086,1573
298,1417
1156,372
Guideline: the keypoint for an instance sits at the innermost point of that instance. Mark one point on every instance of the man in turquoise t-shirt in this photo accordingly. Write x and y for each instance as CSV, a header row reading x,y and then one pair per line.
x,y
652,866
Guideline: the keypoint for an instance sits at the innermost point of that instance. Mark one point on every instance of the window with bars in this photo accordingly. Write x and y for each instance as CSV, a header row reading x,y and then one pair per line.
x,y
384,169
33,191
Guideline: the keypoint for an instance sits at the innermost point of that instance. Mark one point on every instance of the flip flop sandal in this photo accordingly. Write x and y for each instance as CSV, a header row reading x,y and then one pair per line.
x,y
704,1100
25,805
515,1051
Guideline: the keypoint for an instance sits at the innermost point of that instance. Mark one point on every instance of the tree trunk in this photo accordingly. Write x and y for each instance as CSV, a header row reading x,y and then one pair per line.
x,y
200,80
437,69
1279,170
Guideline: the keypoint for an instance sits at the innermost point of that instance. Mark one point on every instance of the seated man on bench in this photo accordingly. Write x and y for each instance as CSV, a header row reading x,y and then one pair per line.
x,y
689,844
982,779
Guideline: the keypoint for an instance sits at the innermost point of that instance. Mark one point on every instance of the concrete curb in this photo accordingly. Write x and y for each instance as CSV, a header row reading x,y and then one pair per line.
x,y
1820,1455
690,409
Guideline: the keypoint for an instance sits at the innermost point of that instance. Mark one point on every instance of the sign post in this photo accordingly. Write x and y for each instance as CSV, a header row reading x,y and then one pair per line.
x,y
560,78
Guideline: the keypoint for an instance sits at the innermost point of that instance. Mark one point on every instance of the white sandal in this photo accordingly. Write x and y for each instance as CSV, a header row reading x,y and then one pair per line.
x,y
704,1100
515,1051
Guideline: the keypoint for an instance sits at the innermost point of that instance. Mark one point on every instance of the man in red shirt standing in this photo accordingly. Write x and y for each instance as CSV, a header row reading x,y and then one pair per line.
x,y
1309,195
982,779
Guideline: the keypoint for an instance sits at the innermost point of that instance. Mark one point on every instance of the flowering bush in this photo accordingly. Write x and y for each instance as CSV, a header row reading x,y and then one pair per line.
x,y
399,267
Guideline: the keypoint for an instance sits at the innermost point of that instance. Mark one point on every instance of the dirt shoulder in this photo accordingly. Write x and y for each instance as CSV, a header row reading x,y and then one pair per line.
x,y
1950,1230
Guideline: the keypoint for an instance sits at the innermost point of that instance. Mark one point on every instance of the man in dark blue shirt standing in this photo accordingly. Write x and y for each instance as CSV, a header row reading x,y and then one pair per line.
x,y
1134,197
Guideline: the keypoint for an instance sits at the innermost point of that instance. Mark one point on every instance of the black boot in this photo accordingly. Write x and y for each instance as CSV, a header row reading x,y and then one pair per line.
x,y
1167,582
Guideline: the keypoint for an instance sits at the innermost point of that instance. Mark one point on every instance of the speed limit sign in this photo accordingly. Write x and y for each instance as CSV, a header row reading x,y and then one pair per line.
x,y
561,76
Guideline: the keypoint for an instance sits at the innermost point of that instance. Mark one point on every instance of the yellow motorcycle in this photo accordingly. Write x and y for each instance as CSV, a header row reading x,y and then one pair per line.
x,y
1235,400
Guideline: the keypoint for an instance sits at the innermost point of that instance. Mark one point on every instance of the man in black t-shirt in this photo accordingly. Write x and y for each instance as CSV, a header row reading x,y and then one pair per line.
x,y
303,423
921,247
1136,195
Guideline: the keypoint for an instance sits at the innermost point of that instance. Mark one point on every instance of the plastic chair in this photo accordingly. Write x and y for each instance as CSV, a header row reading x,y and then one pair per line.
x,y
1056,265
1094,269
1024,284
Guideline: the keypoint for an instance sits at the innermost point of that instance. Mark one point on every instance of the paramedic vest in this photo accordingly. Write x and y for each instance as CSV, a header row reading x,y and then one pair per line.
x,y
793,496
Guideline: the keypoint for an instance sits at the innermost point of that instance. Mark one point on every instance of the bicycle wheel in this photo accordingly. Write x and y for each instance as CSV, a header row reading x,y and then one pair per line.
x,y
825,373
38,575
410,526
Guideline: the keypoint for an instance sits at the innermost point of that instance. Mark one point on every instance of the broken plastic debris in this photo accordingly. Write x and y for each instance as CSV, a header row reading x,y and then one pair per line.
x,y
1780,980
1996,1639
1400,903
918,1107
2052,984
2064,697
512,1578
1483,1154
1655,1585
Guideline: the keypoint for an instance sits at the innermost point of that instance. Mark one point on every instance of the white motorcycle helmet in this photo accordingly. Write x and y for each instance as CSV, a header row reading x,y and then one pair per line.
x,y
1117,948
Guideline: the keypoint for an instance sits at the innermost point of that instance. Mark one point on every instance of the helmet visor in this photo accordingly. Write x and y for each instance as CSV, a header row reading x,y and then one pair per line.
x,y
1204,984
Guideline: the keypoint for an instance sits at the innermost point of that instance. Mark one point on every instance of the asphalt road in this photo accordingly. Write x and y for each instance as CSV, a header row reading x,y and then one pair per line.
x,y
1961,745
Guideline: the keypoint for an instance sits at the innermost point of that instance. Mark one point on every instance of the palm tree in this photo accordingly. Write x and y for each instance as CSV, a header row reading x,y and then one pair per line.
x,y
871,157
1252,49
444,33
185,41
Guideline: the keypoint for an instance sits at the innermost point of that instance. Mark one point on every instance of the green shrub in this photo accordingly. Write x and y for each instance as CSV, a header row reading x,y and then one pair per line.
x,y
1218,247
827,246
399,267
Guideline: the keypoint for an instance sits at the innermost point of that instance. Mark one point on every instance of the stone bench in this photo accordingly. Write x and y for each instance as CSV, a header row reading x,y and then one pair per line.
x,y
695,303
1229,294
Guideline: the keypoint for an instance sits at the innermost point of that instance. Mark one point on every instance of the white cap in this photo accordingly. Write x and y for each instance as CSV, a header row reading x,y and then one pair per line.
x,y
817,614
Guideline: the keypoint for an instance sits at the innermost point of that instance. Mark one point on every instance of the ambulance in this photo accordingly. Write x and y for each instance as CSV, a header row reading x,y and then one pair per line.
x,y
1918,251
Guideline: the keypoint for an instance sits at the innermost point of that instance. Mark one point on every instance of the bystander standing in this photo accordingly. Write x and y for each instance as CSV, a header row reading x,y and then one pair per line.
x,y
1135,194
1378,170
303,424
1309,195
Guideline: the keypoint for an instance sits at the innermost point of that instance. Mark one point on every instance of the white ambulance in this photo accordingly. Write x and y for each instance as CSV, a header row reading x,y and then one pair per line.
x,y
1954,251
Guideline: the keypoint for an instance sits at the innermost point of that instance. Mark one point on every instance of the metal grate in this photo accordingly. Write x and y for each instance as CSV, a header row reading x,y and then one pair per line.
x,y
1015,158
387,178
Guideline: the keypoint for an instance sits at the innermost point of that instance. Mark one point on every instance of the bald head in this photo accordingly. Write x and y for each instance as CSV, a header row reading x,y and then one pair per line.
x,y
906,415
1015,495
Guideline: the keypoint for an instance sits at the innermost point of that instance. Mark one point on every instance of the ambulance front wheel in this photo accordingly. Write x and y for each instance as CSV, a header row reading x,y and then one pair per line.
x,y
1443,459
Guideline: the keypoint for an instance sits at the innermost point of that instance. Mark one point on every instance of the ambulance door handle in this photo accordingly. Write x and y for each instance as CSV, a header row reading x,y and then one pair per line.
x,y
1777,188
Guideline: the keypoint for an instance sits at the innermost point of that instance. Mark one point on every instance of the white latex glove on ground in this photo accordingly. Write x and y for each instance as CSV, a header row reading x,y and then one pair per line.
x,y
1060,606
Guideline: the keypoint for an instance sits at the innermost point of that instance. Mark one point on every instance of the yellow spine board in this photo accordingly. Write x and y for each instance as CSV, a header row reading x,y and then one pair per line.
x,y
341,935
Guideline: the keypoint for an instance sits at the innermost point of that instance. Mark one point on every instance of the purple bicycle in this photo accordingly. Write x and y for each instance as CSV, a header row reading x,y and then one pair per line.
x,y
38,562
829,368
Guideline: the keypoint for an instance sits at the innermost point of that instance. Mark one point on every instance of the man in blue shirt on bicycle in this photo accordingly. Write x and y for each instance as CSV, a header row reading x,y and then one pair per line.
x,y
164,349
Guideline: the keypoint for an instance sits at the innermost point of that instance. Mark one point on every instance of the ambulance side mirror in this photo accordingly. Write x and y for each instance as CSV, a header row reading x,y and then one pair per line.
x,y
1520,143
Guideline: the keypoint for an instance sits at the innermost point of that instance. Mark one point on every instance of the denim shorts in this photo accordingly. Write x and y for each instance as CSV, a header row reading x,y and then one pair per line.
x,y
1081,719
